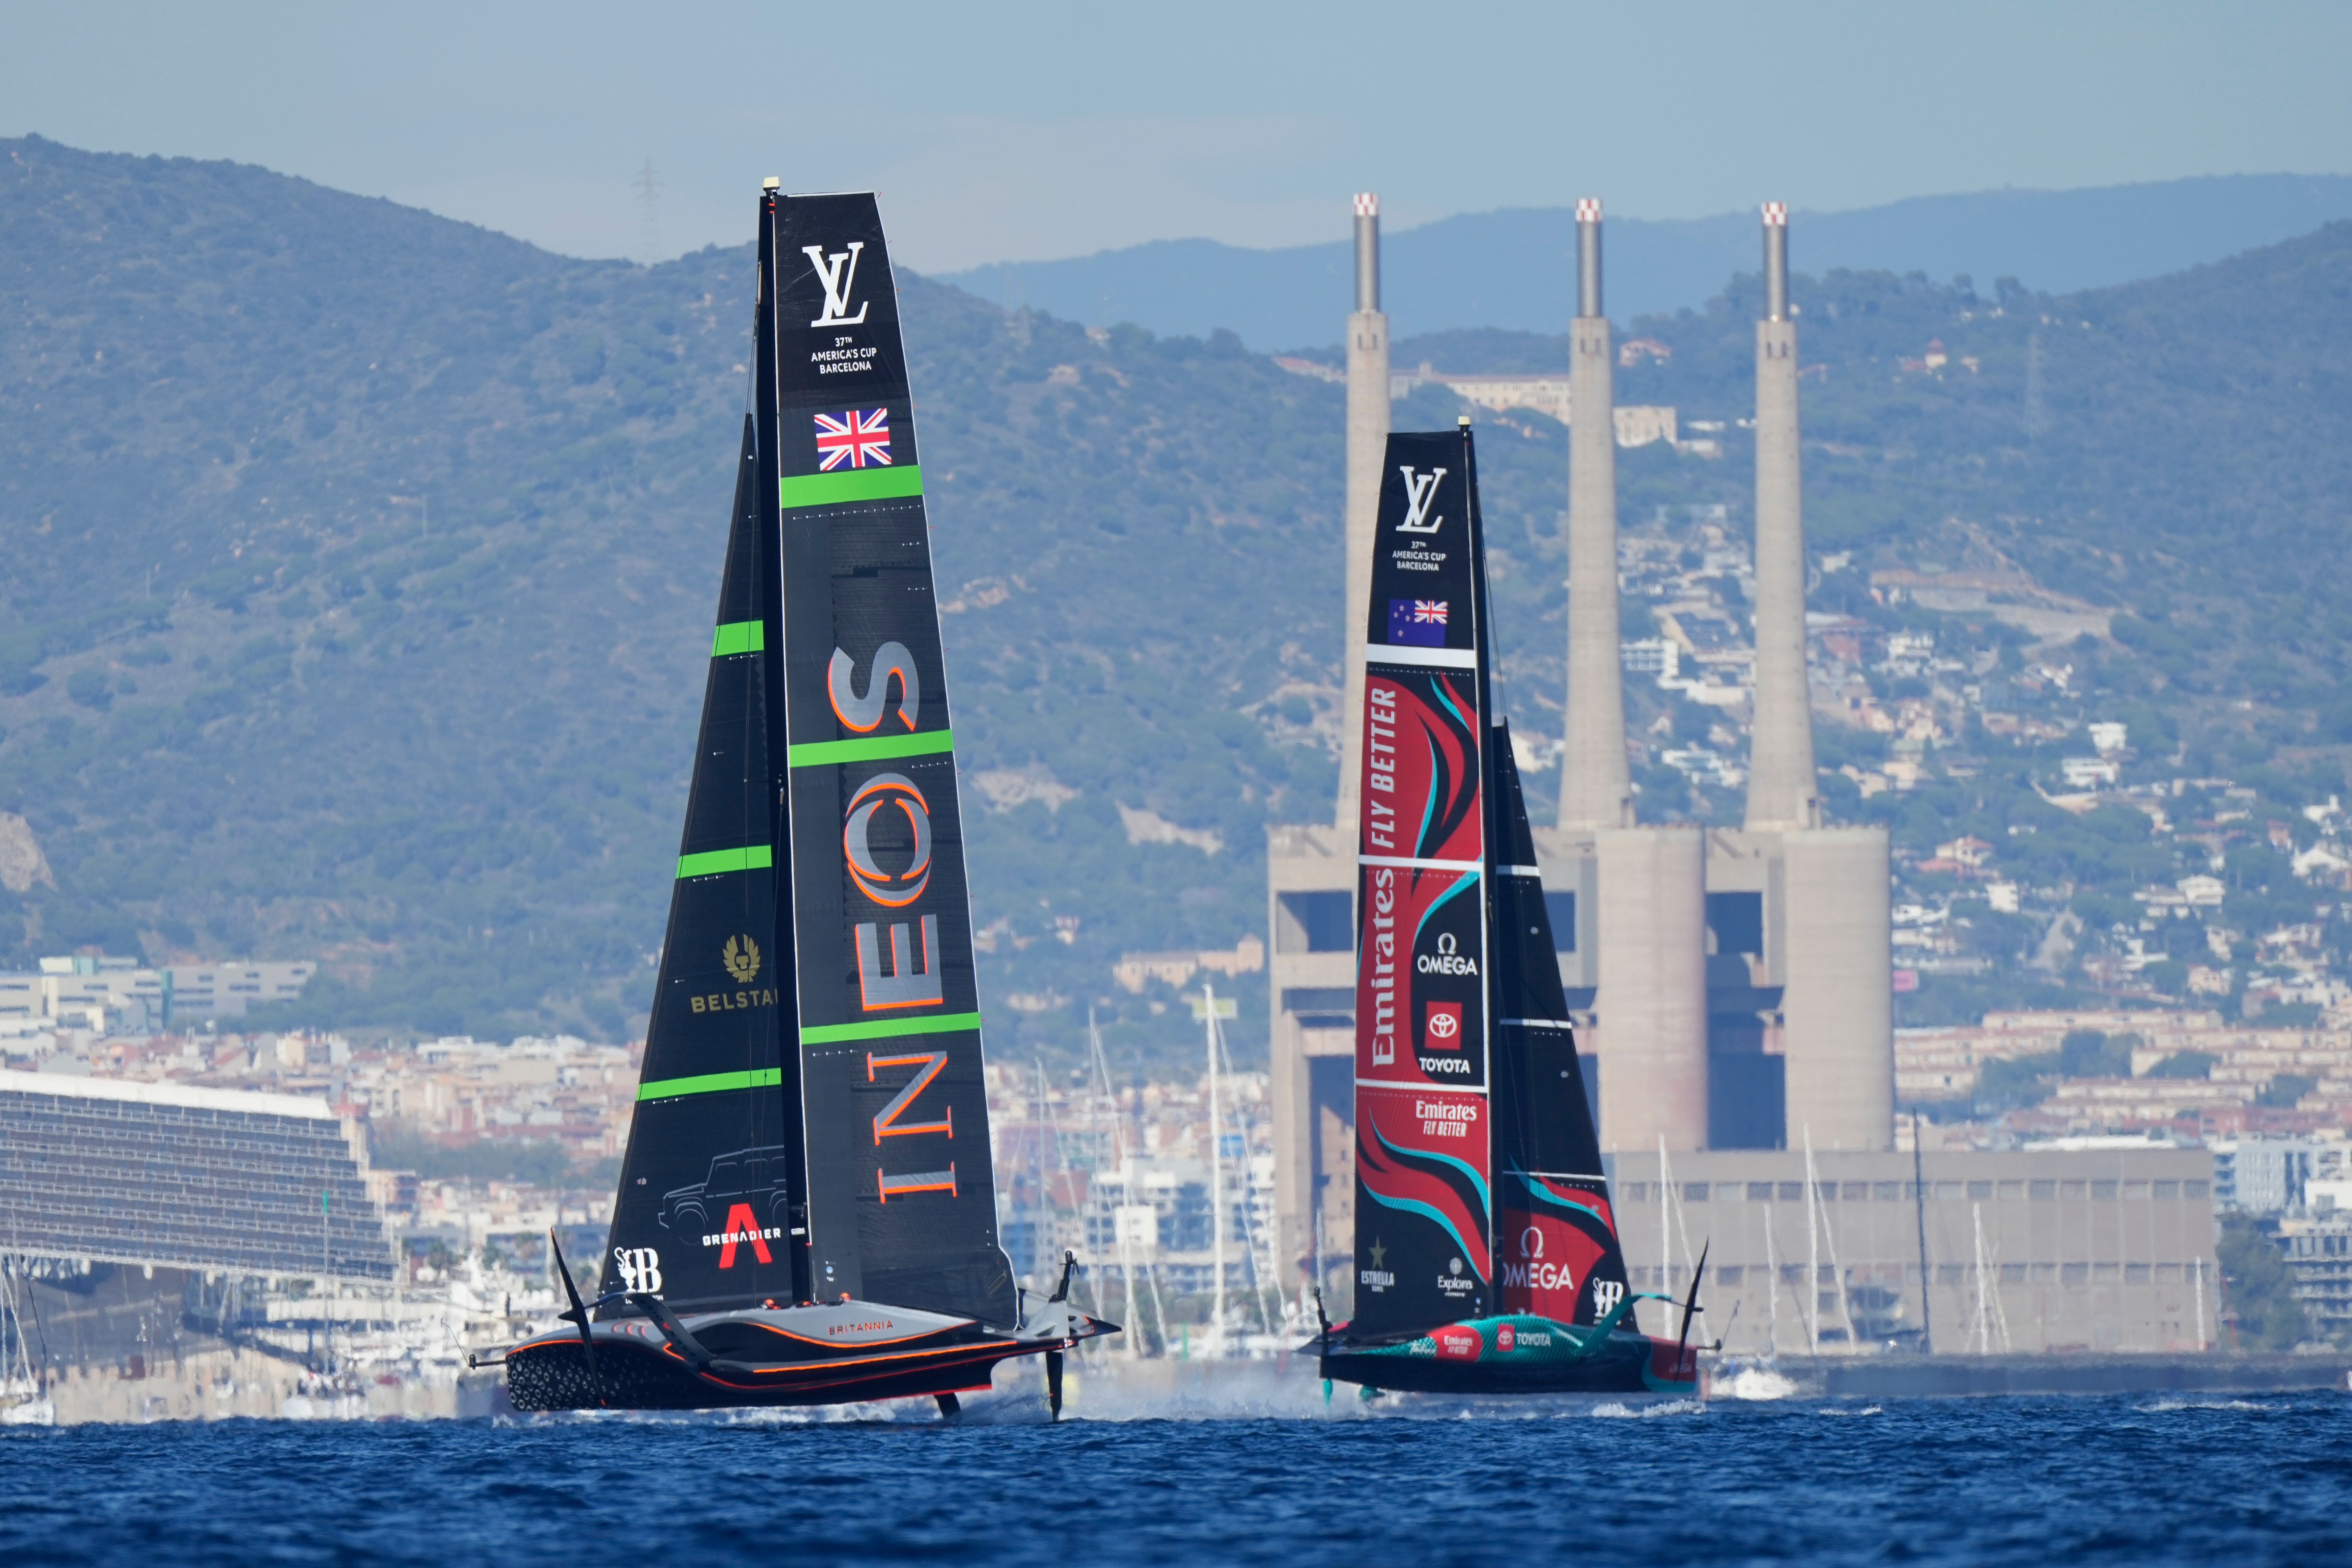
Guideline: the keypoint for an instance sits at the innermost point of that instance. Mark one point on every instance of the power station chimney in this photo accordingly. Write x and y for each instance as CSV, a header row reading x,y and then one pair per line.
x,y
1596,790
1368,434
1782,791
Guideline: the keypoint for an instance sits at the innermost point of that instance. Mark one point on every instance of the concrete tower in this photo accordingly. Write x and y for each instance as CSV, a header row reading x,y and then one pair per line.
x,y
1838,1009
1826,928
1596,791
1781,792
1633,950
1652,999
1368,434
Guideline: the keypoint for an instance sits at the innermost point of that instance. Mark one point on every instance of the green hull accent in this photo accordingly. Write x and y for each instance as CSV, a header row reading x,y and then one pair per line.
x,y
712,862
884,1028
739,637
709,1083
870,749
850,484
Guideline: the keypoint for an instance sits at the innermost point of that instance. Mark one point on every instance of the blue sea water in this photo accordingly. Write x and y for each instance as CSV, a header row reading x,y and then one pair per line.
x,y
2116,1479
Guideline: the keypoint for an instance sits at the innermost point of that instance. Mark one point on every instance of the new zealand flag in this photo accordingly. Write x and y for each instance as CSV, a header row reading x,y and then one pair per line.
x,y
1417,623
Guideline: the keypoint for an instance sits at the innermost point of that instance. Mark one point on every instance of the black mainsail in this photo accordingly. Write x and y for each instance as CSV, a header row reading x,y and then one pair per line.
x,y
902,1202
1556,1248
807,1211
1425,1168
711,1185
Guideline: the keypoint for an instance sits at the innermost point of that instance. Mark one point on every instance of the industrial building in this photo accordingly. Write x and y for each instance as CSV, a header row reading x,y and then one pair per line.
x,y
1730,984
120,996
1975,1253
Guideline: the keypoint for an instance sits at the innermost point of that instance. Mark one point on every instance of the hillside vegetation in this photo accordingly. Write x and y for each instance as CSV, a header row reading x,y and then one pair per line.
x,y
360,565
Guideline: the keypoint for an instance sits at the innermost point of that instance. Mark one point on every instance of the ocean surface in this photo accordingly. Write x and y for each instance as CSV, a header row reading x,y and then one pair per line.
x,y
2133,1479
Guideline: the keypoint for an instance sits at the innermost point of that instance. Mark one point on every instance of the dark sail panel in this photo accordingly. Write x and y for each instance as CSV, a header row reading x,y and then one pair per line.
x,y
705,1213
1556,1234
1424,1175
903,1201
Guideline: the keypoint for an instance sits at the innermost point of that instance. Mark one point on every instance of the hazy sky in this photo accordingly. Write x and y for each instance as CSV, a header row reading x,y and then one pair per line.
x,y
1020,132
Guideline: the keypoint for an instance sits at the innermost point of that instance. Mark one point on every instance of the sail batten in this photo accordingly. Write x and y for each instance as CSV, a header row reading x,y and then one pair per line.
x,y
894,483
871,748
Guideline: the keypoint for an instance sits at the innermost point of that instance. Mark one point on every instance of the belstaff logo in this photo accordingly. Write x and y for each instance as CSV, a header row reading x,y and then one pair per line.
x,y
836,272
1420,490
742,957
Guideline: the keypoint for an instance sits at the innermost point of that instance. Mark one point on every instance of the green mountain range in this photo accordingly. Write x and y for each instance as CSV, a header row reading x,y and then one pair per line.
x,y
360,567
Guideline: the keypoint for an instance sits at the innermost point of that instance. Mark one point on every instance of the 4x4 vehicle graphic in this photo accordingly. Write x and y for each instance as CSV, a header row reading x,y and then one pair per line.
x,y
753,1176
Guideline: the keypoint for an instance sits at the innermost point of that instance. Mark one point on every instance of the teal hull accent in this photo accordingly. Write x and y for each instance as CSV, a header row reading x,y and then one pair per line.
x,y
1516,1353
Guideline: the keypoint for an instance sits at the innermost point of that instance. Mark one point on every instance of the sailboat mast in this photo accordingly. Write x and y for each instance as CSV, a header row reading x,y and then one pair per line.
x,y
767,421
1118,1163
1216,1167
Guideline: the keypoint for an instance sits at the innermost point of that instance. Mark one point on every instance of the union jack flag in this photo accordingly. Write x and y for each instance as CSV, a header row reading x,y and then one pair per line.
x,y
854,439
1429,611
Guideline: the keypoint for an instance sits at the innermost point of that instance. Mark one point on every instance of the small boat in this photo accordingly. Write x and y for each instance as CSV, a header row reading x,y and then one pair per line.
x,y
24,1401
807,1212
1487,1253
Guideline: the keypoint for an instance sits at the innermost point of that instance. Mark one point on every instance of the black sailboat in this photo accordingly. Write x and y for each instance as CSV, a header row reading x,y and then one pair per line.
x,y
807,1212
1486,1251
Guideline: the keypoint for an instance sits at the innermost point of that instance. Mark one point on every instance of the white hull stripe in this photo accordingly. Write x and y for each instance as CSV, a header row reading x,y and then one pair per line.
x,y
1478,1089
1444,658
1536,872
1536,1023
1404,864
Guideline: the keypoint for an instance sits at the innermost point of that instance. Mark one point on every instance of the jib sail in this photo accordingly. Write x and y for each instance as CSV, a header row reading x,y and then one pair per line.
x,y
1424,1175
1556,1251
902,1205
710,1182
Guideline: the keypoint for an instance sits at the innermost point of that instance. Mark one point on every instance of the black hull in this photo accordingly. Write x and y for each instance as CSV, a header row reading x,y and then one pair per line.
x,y
1601,1374
1621,1363
550,1374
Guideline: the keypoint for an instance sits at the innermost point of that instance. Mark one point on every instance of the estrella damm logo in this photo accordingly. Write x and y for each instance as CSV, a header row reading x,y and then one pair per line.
x,y
741,956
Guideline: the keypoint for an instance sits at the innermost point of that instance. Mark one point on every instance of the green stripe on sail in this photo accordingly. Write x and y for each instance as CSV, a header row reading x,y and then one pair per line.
x,y
739,637
709,1083
870,748
884,1028
850,484
712,862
